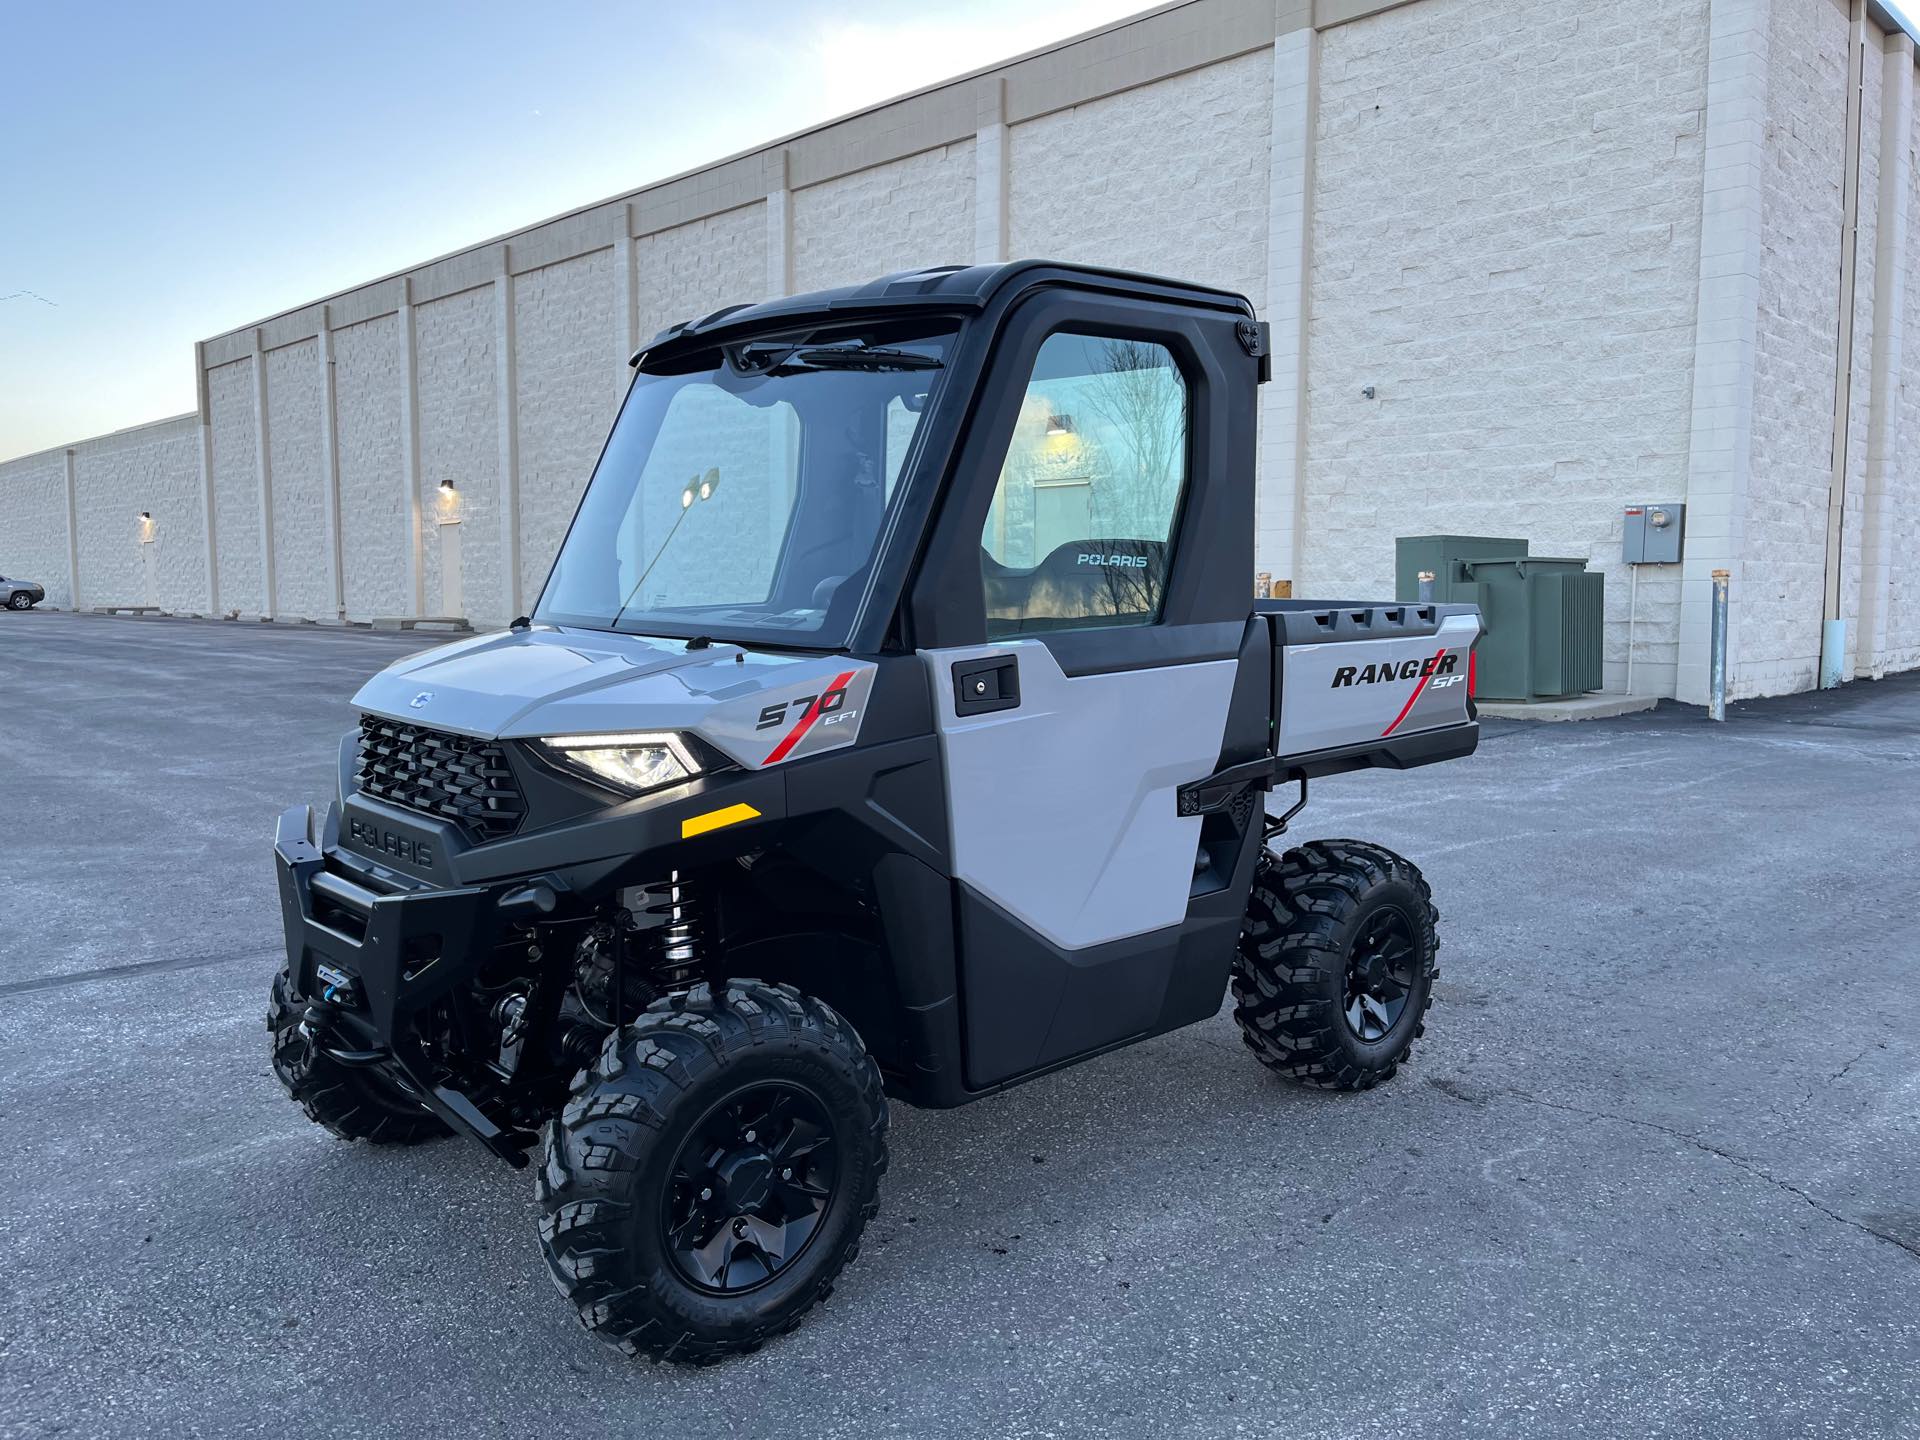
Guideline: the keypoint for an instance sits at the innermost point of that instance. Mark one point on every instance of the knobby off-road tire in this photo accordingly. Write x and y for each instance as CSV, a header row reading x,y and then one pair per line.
x,y
354,1103
1335,967
699,1135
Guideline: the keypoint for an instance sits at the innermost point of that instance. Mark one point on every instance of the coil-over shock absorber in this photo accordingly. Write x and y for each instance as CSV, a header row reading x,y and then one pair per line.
x,y
675,935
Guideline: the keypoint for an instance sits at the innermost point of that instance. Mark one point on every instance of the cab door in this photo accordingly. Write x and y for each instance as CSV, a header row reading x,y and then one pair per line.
x,y
1093,567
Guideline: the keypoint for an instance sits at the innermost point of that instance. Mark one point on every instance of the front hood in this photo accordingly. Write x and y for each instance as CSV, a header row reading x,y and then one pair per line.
x,y
555,681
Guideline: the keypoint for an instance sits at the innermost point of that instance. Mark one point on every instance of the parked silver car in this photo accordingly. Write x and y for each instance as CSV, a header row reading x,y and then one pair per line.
x,y
20,594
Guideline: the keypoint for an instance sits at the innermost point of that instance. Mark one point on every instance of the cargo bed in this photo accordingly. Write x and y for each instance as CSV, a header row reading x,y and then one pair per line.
x,y
1359,685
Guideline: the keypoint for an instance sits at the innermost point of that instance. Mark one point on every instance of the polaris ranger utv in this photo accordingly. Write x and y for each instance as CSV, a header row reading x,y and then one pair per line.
x,y
894,722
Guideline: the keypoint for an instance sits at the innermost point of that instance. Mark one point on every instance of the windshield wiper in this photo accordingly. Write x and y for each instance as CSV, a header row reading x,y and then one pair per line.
x,y
774,360
862,357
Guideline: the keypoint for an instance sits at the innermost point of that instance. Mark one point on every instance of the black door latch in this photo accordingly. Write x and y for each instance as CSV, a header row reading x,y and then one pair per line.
x,y
981,686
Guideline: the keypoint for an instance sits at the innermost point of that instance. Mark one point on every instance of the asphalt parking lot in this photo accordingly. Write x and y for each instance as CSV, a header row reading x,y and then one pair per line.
x,y
1653,1169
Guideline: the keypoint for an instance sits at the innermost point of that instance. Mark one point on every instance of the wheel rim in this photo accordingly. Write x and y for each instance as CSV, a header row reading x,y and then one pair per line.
x,y
750,1188
1380,974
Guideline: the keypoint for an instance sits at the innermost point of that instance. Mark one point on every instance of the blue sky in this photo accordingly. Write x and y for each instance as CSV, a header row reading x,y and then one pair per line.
x,y
172,172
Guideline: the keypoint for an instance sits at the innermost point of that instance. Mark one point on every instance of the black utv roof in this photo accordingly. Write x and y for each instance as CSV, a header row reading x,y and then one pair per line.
x,y
942,289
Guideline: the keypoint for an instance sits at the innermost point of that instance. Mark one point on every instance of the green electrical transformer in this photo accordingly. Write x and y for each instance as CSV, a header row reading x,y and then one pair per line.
x,y
1545,617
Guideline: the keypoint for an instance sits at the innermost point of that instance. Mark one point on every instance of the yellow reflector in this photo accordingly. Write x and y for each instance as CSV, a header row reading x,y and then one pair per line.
x,y
716,820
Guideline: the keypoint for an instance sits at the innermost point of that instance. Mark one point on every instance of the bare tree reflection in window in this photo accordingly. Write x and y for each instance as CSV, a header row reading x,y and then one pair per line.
x,y
1139,393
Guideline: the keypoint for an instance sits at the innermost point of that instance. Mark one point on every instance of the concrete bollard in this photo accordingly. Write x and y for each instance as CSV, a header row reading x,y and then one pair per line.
x,y
1717,674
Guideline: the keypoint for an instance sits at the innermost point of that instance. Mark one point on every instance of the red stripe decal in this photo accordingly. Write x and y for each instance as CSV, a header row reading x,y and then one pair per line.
x,y
799,732
1416,694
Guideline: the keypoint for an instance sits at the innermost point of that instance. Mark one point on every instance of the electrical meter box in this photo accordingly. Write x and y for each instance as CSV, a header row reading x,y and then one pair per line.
x,y
1653,534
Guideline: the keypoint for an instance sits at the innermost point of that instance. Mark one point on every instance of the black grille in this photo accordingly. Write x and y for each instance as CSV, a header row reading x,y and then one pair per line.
x,y
448,776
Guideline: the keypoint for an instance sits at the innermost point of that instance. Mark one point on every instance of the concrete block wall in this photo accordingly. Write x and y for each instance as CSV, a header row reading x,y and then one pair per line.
x,y
121,559
1506,226
33,523
1583,260
235,464
156,469
1782,576
565,400
1192,149
1902,651
899,216
301,522
373,503
692,270
1859,410
459,441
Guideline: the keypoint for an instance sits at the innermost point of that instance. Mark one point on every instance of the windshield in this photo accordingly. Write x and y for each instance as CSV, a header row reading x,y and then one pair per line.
x,y
743,498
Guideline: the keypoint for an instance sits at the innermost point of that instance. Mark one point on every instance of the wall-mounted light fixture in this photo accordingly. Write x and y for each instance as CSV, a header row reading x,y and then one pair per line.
x,y
146,517
446,488
701,487
1059,424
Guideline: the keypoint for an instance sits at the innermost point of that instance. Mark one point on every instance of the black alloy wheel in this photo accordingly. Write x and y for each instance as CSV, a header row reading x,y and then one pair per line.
x,y
751,1185
1380,974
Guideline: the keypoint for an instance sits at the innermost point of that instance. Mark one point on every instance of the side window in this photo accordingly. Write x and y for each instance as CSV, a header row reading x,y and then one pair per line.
x,y
1079,530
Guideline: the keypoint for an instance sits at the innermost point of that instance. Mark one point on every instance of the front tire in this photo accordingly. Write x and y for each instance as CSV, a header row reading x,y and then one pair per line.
x,y
354,1103
20,600
713,1171
1335,967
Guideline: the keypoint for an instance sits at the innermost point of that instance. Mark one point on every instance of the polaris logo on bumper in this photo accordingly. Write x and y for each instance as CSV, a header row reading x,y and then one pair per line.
x,y
388,842
1405,670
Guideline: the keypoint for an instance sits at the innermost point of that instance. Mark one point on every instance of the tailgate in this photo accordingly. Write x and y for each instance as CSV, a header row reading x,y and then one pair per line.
x,y
1375,681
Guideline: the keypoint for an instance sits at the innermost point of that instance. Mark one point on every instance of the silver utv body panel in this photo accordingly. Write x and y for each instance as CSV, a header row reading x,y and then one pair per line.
x,y
1062,810
756,708
1357,687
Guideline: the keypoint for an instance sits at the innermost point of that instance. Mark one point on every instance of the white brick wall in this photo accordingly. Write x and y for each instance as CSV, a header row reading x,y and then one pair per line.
x,y
692,270
459,440
1506,238
1296,61
1903,611
912,213
1727,316
236,488
33,523
1169,178
155,468
1860,394
373,518
1783,573
301,574
564,335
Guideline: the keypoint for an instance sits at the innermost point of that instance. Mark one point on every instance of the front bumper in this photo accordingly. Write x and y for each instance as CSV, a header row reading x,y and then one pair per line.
x,y
374,961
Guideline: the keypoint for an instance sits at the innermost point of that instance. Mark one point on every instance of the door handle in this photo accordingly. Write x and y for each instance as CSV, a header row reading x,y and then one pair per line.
x,y
983,686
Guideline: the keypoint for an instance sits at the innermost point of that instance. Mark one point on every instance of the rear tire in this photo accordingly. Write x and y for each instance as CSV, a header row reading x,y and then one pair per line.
x,y
354,1103
1335,967
713,1172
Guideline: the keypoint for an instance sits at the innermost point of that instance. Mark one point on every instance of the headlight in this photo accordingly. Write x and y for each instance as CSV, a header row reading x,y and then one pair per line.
x,y
633,763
